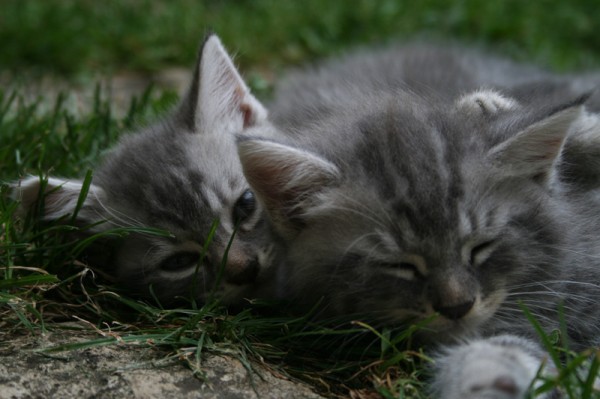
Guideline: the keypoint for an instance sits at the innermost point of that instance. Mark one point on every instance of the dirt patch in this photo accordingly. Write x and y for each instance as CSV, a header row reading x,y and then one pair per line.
x,y
127,371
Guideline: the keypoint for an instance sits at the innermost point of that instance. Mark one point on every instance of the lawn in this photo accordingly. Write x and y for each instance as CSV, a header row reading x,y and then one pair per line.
x,y
76,41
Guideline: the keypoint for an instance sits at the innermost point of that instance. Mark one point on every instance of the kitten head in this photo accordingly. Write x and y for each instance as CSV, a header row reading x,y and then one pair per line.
x,y
181,175
403,209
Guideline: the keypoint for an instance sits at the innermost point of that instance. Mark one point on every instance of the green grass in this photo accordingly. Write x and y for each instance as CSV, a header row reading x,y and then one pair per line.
x,y
81,36
41,281
59,142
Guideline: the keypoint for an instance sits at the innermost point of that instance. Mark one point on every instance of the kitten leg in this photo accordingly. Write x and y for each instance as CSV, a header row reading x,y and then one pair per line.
x,y
501,367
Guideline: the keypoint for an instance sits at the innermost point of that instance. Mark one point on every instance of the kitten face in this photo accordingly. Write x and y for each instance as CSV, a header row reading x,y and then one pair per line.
x,y
421,210
184,190
181,175
460,264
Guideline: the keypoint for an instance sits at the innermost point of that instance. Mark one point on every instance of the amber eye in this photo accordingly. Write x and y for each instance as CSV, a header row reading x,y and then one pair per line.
x,y
244,207
180,261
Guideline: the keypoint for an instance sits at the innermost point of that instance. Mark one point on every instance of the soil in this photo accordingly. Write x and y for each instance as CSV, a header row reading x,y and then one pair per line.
x,y
122,370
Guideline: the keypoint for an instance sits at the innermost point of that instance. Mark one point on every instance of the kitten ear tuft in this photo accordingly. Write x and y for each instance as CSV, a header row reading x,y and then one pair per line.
x,y
60,197
285,179
218,99
534,151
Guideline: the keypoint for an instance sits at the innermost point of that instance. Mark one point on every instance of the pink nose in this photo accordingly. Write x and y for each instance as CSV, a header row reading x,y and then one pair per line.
x,y
242,273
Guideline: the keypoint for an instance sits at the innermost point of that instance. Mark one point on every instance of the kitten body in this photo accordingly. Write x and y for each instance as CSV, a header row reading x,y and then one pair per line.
x,y
444,71
409,189
181,175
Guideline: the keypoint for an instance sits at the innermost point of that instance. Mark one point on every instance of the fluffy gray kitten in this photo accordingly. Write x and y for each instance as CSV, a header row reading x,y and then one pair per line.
x,y
181,175
424,181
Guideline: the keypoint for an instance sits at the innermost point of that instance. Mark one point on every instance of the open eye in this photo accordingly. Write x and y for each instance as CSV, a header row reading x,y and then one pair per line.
x,y
180,261
482,251
244,207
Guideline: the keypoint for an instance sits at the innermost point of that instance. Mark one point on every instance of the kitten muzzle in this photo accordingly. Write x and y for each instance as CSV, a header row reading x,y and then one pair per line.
x,y
455,312
242,273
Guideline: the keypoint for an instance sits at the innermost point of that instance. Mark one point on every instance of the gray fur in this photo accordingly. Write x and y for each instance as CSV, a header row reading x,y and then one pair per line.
x,y
180,174
445,70
427,197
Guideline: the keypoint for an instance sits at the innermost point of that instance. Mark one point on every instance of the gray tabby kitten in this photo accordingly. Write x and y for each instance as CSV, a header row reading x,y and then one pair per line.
x,y
405,190
180,174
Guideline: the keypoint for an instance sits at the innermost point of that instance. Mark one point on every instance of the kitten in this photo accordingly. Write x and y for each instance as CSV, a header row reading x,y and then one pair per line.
x,y
404,190
180,175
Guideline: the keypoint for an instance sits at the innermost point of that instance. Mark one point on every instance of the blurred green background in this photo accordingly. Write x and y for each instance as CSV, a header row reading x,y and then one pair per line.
x,y
74,37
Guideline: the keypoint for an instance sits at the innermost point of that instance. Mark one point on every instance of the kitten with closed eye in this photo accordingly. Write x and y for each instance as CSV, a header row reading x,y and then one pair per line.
x,y
180,175
404,191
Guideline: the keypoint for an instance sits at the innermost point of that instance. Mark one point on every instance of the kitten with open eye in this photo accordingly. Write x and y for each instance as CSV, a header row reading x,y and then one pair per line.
x,y
180,175
436,190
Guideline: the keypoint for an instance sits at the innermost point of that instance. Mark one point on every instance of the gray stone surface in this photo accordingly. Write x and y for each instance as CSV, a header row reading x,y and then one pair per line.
x,y
127,371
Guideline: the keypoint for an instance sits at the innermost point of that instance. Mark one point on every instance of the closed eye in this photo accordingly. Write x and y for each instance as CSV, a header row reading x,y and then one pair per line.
x,y
403,270
481,252
180,261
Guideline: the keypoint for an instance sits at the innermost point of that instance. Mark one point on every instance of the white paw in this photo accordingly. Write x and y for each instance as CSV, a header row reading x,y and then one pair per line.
x,y
494,374
486,369
488,102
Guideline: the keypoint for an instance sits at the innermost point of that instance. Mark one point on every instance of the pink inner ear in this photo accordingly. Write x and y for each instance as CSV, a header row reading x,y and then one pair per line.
x,y
247,113
267,178
246,109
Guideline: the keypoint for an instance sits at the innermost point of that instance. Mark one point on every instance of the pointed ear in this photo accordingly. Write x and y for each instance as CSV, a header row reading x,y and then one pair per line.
x,y
60,198
285,179
533,151
218,98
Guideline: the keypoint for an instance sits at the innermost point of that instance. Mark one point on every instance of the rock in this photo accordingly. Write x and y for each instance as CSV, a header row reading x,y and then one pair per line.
x,y
121,370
